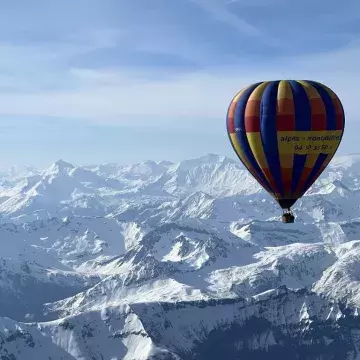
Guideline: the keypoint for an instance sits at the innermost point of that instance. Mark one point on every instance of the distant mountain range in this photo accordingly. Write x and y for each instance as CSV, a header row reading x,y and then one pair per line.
x,y
187,260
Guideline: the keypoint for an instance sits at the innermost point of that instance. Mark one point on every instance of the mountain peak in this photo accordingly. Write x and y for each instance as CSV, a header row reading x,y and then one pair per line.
x,y
59,167
90,250
63,164
212,158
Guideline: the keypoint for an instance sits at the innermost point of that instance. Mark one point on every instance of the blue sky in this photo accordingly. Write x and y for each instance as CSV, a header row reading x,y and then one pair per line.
x,y
128,80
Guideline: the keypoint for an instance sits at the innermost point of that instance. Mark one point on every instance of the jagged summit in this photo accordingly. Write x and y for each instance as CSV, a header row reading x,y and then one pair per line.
x,y
92,257
57,168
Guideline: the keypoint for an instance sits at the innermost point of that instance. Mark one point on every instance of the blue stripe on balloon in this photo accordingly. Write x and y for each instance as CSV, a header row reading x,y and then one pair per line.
x,y
302,109
298,168
268,132
329,105
239,122
312,176
228,132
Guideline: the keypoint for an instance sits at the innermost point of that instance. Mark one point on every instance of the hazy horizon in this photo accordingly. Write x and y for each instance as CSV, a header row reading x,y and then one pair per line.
x,y
123,82
46,166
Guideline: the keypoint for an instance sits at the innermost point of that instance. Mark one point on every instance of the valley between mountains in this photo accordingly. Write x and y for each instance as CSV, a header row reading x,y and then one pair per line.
x,y
187,260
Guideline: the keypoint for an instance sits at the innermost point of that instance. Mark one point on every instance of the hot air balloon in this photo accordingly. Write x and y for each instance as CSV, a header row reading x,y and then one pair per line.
x,y
285,133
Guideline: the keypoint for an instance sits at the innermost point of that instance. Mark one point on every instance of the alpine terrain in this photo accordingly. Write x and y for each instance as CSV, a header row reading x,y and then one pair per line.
x,y
187,260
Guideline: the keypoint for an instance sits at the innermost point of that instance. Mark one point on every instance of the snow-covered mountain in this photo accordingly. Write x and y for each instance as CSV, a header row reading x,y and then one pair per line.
x,y
187,260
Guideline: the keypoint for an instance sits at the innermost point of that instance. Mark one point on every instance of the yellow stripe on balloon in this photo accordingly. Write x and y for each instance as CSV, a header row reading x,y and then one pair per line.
x,y
284,90
254,138
311,92
239,150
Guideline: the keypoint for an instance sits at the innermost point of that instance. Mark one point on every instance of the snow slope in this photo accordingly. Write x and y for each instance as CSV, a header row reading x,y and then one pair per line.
x,y
162,260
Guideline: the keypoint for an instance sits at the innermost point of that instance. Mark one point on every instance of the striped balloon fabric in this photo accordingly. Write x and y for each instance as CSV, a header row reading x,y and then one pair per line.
x,y
285,133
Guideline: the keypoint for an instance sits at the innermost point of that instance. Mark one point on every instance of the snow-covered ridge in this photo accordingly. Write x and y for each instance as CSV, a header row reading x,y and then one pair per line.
x,y
159,260
268,324
279,322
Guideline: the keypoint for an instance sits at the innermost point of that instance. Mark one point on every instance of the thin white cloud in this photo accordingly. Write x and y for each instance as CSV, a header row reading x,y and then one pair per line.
x,y
98,38
223,14
124,97
30,68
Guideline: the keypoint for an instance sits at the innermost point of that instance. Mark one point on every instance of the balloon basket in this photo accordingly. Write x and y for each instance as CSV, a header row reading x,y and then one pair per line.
x,y
288,217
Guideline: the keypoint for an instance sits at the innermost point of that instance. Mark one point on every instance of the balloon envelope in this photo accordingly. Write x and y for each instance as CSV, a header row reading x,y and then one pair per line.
x,y
285,133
